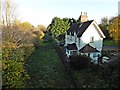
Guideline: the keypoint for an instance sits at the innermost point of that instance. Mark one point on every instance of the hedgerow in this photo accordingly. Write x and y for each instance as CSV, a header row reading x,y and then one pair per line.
x,y
13,72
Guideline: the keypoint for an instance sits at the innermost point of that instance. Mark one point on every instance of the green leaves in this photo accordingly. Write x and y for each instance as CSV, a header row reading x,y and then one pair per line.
x,y
58,26
14,74
46,70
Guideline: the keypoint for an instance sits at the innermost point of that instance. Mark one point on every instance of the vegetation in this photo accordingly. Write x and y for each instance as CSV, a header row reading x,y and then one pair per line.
x,y
58,26
29,61
17,45
42,28
103,25
113,27
48,72
80,61
105,76
45,68
110,43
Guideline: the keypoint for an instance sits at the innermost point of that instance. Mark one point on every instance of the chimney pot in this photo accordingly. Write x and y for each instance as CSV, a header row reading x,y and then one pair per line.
x,y
83,17
81,13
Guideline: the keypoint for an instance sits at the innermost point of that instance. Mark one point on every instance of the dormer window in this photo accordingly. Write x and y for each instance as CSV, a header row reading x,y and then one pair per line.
x,y
72,33
80,25
91,39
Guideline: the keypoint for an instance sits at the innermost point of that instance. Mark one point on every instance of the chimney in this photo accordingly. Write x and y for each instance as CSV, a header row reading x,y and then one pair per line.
x,y
83,17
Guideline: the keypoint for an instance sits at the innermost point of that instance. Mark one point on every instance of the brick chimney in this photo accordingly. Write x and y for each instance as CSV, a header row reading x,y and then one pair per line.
x,y
83,17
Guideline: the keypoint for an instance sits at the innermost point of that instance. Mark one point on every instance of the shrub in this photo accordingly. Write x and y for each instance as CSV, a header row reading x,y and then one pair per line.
x,y
28,49
79,61
110,73
13,74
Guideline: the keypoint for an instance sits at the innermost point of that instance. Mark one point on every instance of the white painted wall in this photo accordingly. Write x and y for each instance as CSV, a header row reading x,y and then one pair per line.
x,y
70,52
69,39
85,39
91,32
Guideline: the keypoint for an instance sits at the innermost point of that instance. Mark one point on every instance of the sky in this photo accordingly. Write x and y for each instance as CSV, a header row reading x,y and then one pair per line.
x,y
43,11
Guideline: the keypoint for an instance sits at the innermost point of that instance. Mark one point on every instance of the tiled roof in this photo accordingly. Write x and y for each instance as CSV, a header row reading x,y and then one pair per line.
x,y
71,46
79,28
87,48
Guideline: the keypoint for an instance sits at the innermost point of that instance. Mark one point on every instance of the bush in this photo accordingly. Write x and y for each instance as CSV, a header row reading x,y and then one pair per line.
x,y
13,74
79,61
16,48
110,73
28,50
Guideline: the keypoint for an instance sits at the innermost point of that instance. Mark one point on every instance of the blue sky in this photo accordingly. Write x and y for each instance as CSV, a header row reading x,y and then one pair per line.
x,y
42,11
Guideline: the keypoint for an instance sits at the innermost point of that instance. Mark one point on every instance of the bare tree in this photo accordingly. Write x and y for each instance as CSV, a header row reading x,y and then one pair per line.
x,y
8,9
8,18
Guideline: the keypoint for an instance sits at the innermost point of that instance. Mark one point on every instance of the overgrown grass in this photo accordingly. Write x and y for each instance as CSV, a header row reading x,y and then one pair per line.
x,y
87,78
105,76
110,42
46,70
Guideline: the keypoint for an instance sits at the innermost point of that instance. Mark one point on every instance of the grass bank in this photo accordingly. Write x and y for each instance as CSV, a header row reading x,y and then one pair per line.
x,y
46,69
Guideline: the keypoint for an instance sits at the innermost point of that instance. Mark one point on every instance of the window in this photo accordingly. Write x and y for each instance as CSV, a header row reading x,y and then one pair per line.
x,y
91,39
94,55
79,42
67,51
75,53
70,38
80,25
71,53
75,39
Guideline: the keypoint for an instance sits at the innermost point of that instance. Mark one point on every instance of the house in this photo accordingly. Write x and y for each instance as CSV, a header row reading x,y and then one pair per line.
x,y
84,38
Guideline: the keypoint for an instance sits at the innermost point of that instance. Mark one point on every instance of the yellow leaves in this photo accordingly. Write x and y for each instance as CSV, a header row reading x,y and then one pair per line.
x,y
114,28
41,28
4,66
26,26
9,45
41,34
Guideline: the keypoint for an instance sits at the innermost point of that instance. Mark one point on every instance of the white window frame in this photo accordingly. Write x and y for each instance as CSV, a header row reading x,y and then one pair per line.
x,y
71,53
91,39
79,42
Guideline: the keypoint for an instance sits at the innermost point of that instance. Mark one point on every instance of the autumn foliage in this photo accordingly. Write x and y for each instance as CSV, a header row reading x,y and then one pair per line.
x,y
114,28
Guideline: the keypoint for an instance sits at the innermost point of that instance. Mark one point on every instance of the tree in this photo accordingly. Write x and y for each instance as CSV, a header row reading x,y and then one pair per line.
x,y
58,26
104,21
114,28
70,20
103,25
8,15
16,47
41,28
26,26
8,12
